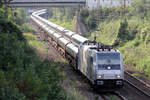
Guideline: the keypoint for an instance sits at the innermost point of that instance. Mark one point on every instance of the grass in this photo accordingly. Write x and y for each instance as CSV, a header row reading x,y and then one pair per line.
x,y
136,75
70,87
75,95
67,24
112,97
108,32
34,42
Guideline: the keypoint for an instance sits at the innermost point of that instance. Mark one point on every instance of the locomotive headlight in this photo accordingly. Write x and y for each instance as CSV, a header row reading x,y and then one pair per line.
x,y
99,76
118,76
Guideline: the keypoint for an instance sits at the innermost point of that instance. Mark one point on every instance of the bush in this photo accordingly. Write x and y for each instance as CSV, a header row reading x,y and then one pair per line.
x,y
26,28
23,74
89,18
91,21
124,35
84,13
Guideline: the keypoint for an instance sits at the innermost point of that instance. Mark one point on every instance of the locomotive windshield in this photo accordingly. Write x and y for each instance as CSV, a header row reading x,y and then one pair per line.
x,y
108,61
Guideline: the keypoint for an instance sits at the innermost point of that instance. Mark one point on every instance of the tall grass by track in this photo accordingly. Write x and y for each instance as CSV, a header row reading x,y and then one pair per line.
x,y
108,32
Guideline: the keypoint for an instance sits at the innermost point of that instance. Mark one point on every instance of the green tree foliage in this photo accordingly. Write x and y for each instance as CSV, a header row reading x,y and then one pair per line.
x,y
2,11
91,21
89,18
26,28
63,17
84,13
23,74
1,4
21,16
123,34
141,8
65,14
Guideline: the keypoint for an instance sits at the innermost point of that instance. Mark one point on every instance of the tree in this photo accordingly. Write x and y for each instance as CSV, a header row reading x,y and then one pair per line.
x,y
84,13
123,34
6,3
141,8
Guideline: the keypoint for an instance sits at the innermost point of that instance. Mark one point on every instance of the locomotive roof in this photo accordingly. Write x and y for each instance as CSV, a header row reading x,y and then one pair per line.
x,y
99,47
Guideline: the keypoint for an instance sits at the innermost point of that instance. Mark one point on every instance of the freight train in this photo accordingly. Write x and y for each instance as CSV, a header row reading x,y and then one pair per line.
x,y
101,64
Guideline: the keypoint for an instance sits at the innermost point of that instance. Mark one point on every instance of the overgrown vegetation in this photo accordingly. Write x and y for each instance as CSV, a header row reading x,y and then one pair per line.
x,y
23,74
127,29
27,28
35,43
67,24
89,18
21,18
63,17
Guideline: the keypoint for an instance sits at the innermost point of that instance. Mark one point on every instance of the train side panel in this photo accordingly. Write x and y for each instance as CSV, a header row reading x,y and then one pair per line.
x,y
85,62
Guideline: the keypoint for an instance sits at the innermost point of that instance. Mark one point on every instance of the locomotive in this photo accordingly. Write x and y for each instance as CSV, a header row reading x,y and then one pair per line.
x,y
101,64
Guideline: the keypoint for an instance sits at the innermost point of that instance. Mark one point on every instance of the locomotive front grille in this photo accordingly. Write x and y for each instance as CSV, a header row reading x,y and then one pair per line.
x,y
109,76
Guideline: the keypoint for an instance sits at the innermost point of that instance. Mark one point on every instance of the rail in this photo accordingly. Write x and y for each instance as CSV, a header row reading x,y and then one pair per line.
x,y
138,84
121,97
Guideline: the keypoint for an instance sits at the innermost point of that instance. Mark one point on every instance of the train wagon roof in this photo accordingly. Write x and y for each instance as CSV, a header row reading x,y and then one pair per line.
x,y
63,42
79,39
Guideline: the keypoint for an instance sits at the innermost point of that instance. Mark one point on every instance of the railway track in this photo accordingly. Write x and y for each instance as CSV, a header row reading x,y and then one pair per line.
x,y
104,97
119,96
137,84
107,96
